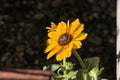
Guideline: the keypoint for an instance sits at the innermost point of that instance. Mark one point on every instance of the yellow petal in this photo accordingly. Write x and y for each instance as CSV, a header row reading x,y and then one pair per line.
x,y
68,22
64,51
51,41
67,53
53,35
52,28
47,27
69,49
68,26
78,31
74,25
76,44
53,52
53,24
59,56
82,36
50,47
61,27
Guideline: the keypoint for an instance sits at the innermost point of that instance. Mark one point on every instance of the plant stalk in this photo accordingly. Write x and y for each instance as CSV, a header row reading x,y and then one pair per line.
x,y
64,64
79,58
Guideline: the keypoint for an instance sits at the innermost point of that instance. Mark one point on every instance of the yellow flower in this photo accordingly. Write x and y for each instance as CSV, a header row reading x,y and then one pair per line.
x,y
63,38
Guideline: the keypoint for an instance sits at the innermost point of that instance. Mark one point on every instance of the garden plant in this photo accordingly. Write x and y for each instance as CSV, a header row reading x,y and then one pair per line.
x,y
63,41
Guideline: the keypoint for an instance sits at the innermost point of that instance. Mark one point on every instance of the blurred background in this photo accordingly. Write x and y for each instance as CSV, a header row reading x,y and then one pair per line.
x,y
23,35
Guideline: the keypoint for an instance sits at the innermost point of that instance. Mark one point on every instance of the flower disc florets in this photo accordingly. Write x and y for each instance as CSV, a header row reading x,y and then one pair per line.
x,y
64,39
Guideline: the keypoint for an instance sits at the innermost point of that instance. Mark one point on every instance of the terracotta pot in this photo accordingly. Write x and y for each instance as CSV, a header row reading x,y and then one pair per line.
x,y
24,74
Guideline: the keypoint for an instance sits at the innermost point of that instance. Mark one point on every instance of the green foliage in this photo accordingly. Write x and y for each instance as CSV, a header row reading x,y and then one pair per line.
x,y
59,74
66,71
95,72
92,71
82,74
91,62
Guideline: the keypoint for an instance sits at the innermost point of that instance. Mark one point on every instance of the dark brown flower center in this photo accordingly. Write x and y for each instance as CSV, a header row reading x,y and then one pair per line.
x,y
64,39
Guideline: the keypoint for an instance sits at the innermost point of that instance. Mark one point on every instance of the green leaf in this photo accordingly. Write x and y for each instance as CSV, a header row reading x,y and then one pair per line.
x,y
82,74
91,62
95,72
71,75
56,76
54,67
45,68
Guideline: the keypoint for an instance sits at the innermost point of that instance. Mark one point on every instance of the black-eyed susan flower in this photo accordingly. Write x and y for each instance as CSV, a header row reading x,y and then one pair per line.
x,y
63,38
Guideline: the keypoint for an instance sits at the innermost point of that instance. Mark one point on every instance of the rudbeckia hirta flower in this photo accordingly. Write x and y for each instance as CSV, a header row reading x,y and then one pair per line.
x,y
63,38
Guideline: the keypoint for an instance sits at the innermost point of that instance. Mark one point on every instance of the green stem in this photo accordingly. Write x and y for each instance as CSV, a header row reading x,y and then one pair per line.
x,y
79,59
64,64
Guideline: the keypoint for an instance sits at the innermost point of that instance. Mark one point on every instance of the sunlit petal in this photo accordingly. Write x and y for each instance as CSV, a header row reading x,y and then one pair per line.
x,y
69,50
50,47
61,27
78,31
53,35
59,56
51,41
53,24
74,25
47,27
68,23
76,44
82,36
53,52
